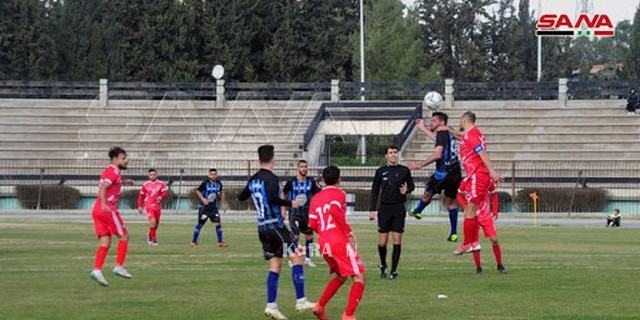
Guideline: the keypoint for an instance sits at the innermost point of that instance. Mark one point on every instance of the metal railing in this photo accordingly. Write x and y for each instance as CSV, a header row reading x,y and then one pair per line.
x,y
563,186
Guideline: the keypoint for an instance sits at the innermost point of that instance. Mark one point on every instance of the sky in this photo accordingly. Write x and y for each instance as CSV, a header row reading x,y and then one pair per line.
x,y
617,10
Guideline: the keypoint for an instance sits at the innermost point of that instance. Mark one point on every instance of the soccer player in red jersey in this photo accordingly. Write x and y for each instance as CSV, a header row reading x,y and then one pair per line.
x,y
107,221
480,174
327,218
486,216
150,199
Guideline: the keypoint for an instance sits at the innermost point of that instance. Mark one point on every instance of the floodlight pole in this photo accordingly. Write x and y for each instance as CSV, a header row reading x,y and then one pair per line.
x,y
361,51
538,13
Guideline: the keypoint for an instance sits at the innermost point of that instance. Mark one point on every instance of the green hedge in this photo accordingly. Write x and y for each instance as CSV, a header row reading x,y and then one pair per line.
x,y
559,199
130,197
53,196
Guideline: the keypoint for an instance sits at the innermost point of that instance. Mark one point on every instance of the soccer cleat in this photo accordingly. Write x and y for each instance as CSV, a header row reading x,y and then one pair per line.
x,y
122,272
274,314
319,312
393,276
383,272
194,245
501,269
222,244
152,243
463,249
475,247
305,305
452,238
96,275
346,317
479,270
417,215
309,262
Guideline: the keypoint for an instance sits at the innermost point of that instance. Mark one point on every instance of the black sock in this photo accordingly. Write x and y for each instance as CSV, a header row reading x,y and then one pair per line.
x,y
382,251
395,257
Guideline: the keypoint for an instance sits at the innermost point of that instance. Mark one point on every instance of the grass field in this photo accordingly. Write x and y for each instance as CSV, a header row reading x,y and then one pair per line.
x,y
554,273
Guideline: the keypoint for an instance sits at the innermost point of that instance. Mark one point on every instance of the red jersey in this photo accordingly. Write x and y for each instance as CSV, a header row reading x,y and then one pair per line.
x,y
151,193
470,147
111,175
327,215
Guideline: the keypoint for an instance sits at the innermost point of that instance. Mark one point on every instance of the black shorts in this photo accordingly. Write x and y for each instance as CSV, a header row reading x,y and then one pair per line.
x,y
391,218
299,223
449,184
205,214
276,241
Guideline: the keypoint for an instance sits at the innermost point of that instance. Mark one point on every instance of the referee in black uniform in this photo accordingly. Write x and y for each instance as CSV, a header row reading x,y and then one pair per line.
x,y
391,185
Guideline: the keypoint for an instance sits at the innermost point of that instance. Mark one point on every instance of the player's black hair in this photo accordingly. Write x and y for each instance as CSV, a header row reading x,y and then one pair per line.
x,y
152,170
441,115
115,152
302,161
390,147
213,170
470,115
331,175
265,153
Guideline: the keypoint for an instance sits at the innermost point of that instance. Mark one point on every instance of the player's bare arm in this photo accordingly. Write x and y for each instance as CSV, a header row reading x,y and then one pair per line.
x,y
202,198
487,162
421,126
435,156
102,191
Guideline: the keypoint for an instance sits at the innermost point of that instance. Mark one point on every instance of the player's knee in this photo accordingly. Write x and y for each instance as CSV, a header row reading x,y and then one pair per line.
x,y
359,278
426,197
494,240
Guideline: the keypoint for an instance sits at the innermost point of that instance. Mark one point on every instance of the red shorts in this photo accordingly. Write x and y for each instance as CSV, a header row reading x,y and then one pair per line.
x,y
476,188
342,259
107,223
153,212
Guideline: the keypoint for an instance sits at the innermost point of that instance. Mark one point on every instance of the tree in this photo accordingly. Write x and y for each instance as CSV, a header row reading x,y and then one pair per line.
x,y
633,60
393,45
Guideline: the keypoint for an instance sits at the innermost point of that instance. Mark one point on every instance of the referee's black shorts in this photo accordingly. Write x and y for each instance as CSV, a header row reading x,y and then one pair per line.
x,y
391,218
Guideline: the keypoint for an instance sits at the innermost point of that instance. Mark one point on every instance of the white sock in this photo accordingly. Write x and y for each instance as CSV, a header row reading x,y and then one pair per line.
x,y
301,300
272,305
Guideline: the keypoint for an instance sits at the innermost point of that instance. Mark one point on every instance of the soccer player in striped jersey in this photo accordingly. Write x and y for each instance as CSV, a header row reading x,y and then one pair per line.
x,y
447,176
150,201
264,189
302,188
211,193
107,221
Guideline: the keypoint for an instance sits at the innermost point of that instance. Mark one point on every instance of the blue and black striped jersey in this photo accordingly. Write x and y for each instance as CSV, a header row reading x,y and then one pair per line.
x,y
264,188
295,187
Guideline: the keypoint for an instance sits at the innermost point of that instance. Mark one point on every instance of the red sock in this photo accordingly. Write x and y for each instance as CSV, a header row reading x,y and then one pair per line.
x,y
497,253
476,259
357,290
121,252
476,230
469,228
101,254
152,233
329,291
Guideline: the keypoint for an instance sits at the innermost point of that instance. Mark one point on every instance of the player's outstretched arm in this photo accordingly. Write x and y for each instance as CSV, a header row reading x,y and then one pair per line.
x,y
421,127
435,156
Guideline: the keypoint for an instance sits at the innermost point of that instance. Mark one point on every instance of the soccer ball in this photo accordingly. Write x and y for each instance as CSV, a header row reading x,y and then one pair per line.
x,y
433,100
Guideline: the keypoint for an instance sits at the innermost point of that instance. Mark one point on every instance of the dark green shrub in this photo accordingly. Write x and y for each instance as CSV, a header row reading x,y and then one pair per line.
x,y
52,196
559,199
